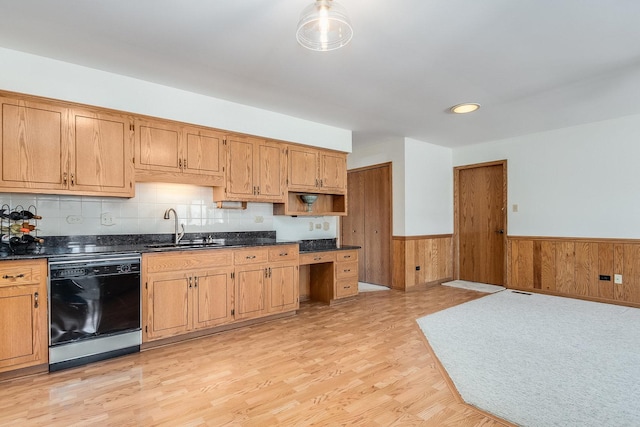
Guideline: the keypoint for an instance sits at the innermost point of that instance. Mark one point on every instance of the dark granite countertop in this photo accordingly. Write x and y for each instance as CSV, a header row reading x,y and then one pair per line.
x,y
323,245
63,246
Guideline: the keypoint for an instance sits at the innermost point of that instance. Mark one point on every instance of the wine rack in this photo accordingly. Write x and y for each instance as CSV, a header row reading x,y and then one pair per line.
x,y
19,227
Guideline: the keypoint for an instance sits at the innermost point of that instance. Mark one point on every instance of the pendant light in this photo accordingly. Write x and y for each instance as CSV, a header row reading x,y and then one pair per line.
x,y
324,25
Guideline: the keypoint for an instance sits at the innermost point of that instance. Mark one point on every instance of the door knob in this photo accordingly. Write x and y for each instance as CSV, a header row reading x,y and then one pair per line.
x,y
501,231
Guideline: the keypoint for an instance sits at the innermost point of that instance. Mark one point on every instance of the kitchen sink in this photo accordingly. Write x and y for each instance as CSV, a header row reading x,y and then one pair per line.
x,y
187,244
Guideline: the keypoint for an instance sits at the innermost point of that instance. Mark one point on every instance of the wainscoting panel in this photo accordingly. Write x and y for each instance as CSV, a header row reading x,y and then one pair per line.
x,y
432,254
576,267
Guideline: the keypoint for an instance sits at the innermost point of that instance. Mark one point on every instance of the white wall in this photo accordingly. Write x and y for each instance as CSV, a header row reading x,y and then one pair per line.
x,y
428,188
422,181
45,77
581,181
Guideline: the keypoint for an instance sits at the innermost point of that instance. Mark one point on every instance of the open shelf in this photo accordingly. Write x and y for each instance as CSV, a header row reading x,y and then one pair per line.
x,y
327,204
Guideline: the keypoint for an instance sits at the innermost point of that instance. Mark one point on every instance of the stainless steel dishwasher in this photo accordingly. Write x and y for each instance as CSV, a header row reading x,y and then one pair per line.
x,y
94,308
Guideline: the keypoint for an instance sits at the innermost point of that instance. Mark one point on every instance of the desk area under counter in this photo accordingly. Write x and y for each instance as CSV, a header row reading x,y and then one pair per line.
x,y
328,272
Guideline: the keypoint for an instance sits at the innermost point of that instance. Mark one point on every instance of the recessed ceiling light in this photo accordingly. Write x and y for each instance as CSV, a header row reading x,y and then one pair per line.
x,y
467,107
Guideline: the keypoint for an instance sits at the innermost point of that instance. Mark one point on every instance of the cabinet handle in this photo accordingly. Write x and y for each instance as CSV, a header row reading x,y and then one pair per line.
x,y
36,298
266,273
258,190
251,256
348,270
196,284
284,254
73,179
184,163
269,271
347,256
321,183
64,178
346,287
317,258
180,164
190,281
19,276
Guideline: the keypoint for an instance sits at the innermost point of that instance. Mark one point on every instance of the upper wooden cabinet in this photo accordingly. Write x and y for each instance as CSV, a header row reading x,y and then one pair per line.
x,y
315,170
51,148
255,171
171,152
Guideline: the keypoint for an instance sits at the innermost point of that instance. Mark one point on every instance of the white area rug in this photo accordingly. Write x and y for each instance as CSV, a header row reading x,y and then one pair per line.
x,y
538,360
475,286
368,287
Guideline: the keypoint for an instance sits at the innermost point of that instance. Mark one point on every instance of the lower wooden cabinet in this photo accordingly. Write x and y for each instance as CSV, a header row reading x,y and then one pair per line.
x,y
346,274
190,290
23,314
266,281
186,291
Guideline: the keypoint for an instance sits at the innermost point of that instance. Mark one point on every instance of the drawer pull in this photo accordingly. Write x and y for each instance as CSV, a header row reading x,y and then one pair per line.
x,y
36,302
284,254
251,256
318,258
346,287
347,256
347,270
19,276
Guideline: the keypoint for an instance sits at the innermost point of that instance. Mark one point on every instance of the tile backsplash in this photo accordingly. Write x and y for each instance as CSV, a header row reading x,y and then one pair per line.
x,y
143,214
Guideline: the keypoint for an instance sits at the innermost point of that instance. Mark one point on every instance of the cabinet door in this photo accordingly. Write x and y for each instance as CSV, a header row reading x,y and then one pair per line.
x,y
22,326
302,165
240,174
34,145
157,146
250,292
203,152
283,289
101,159
167,305
213,297
333,172
269,169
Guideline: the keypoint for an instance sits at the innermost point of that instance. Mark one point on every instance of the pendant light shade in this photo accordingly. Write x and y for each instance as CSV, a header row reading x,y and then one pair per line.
x,y
324,25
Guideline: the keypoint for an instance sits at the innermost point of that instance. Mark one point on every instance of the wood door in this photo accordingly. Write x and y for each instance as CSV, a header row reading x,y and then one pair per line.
x,y
203,152
157,146
240,174
34,145
250,292
368,223
269,169
168,302
213,298
101,160
333,167
302,168
283,289
480,193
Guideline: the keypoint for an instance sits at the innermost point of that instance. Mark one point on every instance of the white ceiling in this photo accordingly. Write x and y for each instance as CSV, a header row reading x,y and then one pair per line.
x,y
534,65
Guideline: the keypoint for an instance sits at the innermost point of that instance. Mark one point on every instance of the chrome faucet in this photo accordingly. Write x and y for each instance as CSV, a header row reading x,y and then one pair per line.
x,y
178,235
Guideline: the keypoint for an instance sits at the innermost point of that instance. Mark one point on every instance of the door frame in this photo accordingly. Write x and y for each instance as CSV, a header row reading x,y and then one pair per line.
x,y
377,166
456,214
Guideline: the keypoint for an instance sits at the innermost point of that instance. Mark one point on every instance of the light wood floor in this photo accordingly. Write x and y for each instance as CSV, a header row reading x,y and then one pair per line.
x,y
364,362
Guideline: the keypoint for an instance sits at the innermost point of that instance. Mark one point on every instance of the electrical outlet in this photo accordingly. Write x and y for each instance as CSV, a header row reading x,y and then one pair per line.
x,y
617,279
515,208
326,226
74,219
107,219
259,219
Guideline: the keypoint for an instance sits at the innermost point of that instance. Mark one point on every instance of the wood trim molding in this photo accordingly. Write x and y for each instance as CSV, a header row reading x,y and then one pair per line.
x,y
423,237
376,166
577,239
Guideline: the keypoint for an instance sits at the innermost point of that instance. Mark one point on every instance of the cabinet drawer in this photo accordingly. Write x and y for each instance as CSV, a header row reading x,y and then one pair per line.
x,y
251,256
346,288
183,260
347,269
18,272
347,256
283,253
317,257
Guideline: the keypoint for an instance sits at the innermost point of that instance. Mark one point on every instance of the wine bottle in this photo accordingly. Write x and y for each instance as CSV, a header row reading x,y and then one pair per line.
x,y
28,238
16,216
28,215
